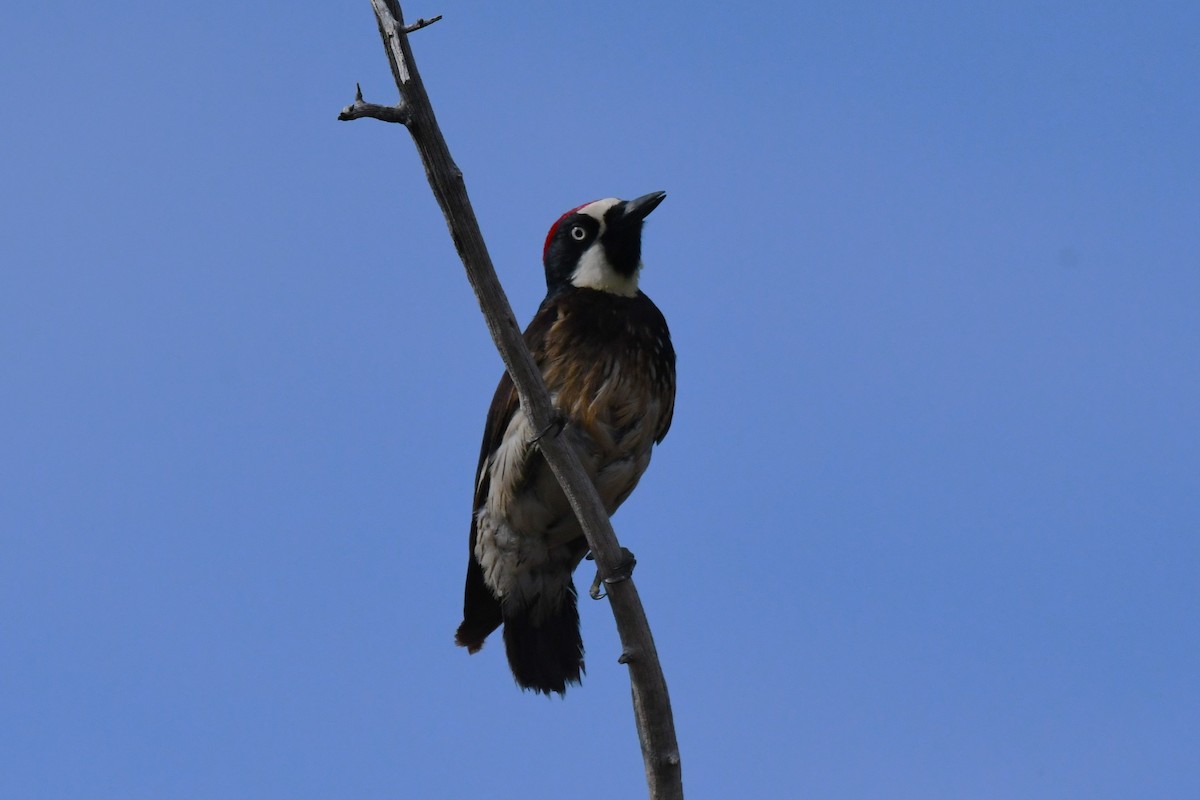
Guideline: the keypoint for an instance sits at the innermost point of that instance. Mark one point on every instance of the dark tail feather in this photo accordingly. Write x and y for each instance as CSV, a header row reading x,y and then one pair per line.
x,y
481,609
546,656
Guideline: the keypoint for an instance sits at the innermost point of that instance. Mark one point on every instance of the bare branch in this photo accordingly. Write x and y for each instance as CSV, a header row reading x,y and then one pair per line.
x,y
651,703
358,109
421,23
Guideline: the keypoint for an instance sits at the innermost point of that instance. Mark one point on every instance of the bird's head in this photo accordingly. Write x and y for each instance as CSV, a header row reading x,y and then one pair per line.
x,y
599,245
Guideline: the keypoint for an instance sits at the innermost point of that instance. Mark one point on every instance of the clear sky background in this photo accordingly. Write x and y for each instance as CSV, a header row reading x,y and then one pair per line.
x,y
925,525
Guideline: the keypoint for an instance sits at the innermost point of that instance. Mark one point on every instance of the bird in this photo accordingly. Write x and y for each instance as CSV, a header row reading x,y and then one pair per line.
x,y
605,354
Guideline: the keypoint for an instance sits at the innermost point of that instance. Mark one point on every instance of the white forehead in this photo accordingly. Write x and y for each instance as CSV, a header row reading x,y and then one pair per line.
x,y
598,208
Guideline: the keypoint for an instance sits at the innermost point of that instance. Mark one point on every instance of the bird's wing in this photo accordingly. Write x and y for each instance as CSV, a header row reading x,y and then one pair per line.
x,y
481,609
664,365
505,401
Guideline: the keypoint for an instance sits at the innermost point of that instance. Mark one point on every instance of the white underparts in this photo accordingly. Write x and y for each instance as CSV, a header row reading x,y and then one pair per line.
x,y
524,529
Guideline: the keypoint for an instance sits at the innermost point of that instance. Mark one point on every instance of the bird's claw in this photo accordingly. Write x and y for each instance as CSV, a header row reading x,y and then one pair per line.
x,y
558,421
622,572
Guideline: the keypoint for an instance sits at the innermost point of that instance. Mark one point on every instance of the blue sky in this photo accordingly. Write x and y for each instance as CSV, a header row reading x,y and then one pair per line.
x,y
925,525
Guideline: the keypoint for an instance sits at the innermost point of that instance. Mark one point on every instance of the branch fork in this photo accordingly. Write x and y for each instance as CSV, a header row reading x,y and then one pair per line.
x,y
359,109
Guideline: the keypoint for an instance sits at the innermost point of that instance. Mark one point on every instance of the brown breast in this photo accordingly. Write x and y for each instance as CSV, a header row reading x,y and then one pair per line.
x,y
610,364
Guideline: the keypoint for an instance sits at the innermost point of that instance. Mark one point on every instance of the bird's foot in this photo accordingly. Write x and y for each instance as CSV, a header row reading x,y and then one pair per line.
x,y
558,421
622,572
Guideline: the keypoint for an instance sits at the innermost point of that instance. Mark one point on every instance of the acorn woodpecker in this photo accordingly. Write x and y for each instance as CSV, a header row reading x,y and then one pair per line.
x,y
605,353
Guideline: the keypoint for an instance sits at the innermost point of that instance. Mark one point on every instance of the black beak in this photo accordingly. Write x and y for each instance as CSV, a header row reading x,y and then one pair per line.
x,y
639,209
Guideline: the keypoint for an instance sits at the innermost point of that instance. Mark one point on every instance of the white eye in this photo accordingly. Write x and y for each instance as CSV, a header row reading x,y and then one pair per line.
x,y
578,233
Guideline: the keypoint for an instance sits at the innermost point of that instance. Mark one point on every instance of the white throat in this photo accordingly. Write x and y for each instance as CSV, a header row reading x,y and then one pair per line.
x,y
594,272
